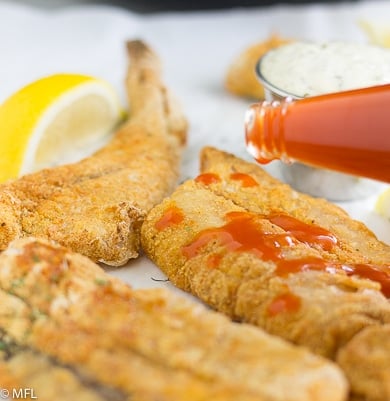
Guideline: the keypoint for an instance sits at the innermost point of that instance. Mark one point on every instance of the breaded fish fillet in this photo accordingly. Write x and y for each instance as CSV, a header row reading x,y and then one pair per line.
x,y
254,249
26,373
149,344
96,206
363,357
348,240
240,79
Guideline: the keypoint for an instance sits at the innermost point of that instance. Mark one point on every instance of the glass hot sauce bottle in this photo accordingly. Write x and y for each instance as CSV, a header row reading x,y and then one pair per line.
x,y
345,131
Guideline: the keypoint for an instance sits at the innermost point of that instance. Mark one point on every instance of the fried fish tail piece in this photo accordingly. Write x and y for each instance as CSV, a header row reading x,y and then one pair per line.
x,y
96,206
254,249
148,344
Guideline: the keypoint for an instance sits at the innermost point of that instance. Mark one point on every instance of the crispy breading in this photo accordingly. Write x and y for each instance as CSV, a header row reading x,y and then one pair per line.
x,y
150,344
28,374
371,345
241,77
96,206
356,243
217,237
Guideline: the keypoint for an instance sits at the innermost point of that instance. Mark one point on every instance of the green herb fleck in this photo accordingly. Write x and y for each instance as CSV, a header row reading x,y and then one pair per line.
x,y
36,258
100,281
55,277
18,282
36,313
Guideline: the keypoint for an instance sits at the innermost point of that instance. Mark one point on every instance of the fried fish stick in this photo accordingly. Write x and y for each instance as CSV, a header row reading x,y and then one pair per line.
x,y
149,344
266,266
96,206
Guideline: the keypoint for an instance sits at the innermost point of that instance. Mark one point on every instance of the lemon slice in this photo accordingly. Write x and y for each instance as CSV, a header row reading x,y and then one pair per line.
x,y
54,120
382,205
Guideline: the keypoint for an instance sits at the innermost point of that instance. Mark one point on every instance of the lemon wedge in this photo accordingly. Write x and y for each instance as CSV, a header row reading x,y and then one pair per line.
x,y
378,33
382,205
55,120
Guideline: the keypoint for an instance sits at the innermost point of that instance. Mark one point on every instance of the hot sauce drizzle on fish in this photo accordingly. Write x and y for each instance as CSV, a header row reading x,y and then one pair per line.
x,y
310,234
286,302
241,233
172,216
208,178
246,180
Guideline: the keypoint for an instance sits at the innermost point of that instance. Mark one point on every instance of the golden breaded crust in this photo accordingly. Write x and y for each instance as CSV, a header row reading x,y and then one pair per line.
x,y
31,374
356,243
28,374
218,237
242,285
371,345
160,346
241,78
96,206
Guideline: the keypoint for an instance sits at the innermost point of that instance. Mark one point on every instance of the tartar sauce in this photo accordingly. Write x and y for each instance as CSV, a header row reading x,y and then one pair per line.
x,y
308,69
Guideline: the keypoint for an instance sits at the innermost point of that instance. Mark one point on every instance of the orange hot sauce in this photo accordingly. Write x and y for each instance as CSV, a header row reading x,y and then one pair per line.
x,y
241,233
208,178
245,179
172,217
287,302
345,131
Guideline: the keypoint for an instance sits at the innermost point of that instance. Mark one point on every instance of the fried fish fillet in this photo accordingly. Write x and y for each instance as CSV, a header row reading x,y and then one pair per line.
x,y
148,344
28,374
354,242
371,345
254,249
96,206
240,79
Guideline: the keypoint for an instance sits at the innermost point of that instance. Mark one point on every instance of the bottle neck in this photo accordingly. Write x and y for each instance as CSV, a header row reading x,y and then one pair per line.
x,y
344,131
264,130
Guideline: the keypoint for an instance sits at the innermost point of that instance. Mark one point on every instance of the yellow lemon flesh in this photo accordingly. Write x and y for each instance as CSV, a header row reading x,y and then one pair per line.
x,y
382,205
55,120
378,34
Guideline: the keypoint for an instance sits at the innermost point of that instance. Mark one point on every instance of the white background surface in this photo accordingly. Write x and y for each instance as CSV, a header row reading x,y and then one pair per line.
x,y
196,49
